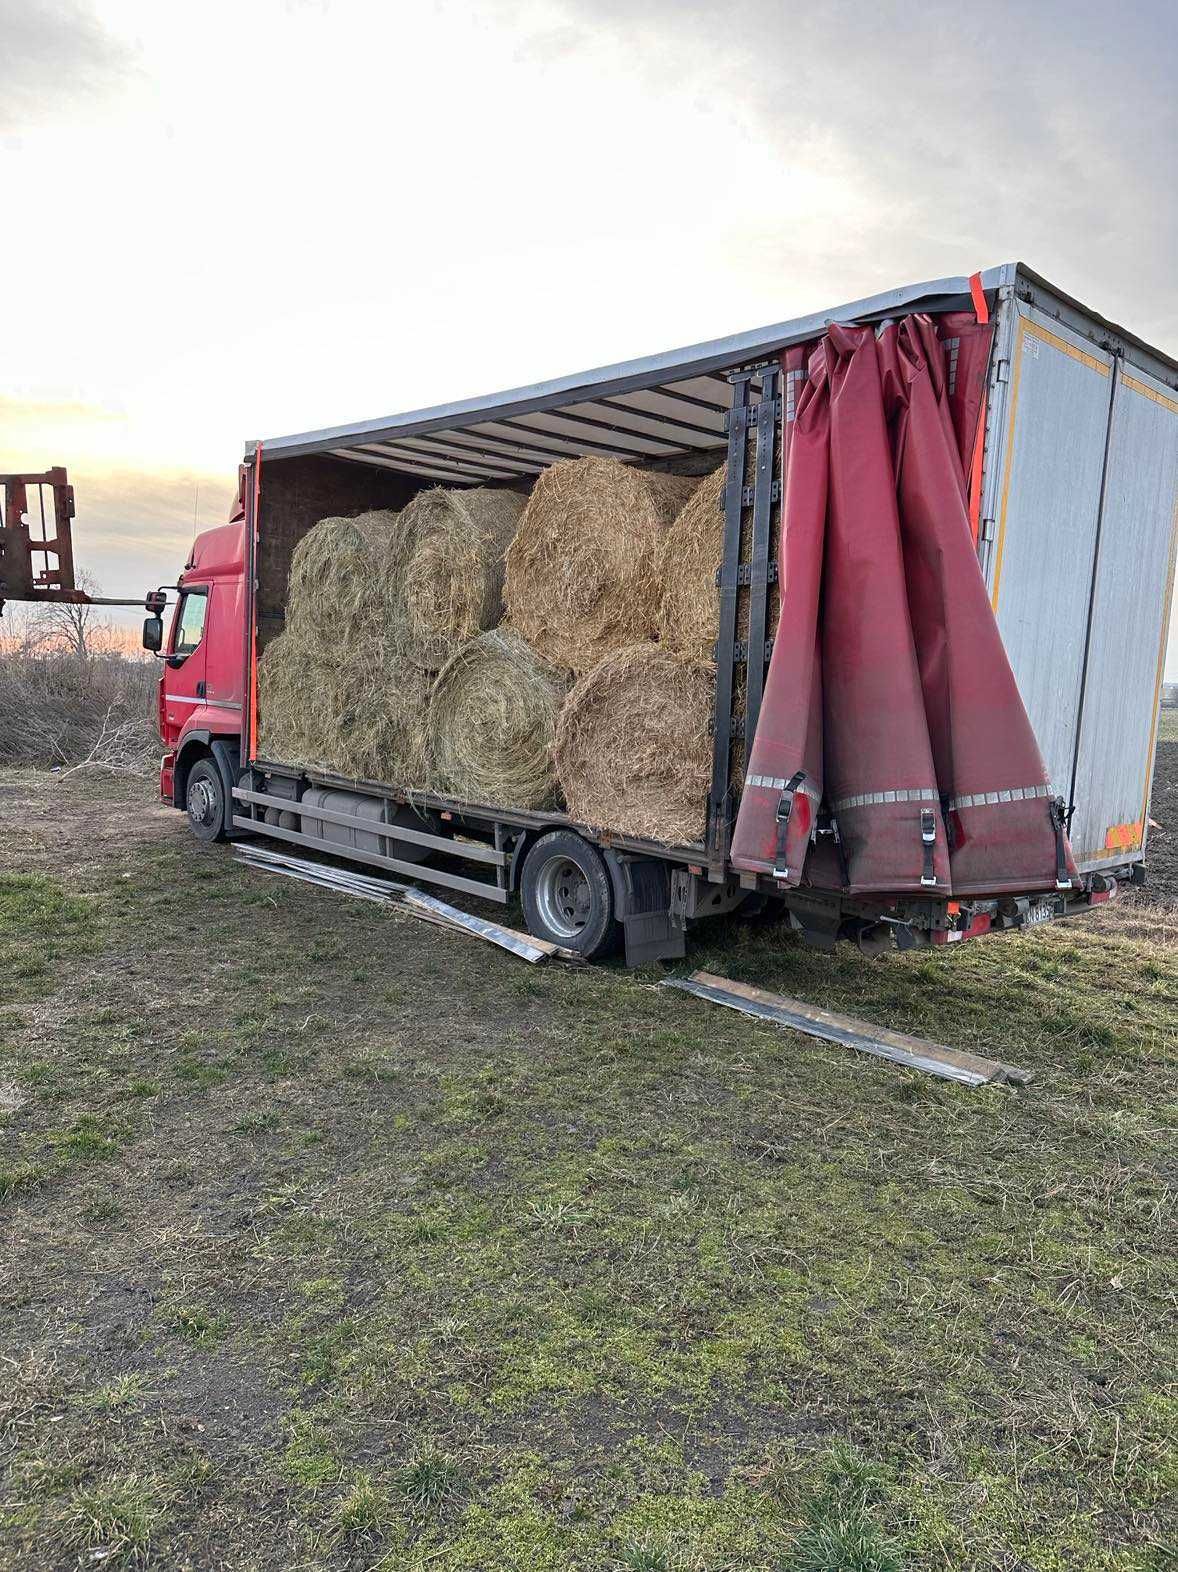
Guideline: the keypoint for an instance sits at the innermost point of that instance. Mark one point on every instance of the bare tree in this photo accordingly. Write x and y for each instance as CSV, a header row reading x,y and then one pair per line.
x,y
63,627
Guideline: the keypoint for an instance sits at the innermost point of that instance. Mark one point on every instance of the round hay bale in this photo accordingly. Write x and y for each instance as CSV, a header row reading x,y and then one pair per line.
x,y
492,723
633,750
360,714
452,581
377,719
345,579
284,676
690,553
582,569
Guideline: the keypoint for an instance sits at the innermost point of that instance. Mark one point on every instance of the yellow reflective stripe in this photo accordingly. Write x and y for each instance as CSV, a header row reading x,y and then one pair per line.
x,y
1150,393
1027,325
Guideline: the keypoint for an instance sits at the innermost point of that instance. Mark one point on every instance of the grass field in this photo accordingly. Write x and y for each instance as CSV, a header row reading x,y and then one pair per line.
x,y
332,1240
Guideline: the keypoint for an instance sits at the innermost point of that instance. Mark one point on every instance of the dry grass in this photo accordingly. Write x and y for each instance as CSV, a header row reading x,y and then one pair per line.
x,y
582,569
492,723
633,749
689,600
67,710
453,573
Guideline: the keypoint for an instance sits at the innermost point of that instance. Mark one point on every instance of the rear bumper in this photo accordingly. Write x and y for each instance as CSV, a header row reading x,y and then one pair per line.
x,y
822,916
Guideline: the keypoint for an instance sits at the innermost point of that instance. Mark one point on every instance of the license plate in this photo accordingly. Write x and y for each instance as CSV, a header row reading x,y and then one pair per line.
x,y
1042,911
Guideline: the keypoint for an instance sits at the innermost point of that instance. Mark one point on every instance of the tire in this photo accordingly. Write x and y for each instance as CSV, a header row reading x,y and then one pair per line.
x,y
204,800
568,895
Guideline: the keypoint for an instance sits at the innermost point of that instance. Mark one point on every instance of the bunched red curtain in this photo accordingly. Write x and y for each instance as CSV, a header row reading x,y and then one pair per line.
x,y
890,705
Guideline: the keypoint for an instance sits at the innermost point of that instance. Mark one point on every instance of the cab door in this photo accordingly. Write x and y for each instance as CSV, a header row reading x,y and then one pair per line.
x,y
185,663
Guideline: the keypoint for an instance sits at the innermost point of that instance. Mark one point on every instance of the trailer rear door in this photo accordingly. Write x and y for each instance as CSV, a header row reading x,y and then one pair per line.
x,y
1049,503
1133,583
1080,567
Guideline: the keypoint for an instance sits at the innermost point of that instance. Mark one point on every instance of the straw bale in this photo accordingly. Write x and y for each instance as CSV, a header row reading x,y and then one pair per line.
x,y
582,569
633,745
492,723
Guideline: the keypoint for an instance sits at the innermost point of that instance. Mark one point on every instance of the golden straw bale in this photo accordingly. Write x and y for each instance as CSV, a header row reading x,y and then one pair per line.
x,y
582,569
633,745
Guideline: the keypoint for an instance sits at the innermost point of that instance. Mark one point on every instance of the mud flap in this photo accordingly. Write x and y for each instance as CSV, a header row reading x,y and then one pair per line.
x,y
652,931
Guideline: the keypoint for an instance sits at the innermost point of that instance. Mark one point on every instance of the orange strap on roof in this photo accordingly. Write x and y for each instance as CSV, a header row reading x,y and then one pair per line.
x,y
978,294
982,312
254,617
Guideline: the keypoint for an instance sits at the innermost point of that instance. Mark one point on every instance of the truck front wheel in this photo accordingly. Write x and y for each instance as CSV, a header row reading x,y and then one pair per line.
x,y
568,895
204,798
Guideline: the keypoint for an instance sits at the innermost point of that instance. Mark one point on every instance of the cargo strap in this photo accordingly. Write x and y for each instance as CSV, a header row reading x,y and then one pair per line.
x,y
785,807
977,294
928,837
1059,825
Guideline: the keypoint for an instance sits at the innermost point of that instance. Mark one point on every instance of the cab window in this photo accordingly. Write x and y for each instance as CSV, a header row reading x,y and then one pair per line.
x,y
190,621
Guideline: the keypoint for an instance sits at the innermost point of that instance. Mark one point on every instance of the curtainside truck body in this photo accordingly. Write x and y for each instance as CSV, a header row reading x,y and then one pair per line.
x,y
1073,506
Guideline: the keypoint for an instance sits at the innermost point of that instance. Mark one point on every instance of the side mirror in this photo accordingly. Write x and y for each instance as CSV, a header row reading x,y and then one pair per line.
x,y
153,634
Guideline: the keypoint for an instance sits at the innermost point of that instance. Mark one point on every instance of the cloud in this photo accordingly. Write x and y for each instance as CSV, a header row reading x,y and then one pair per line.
x,y
1042,133
58,63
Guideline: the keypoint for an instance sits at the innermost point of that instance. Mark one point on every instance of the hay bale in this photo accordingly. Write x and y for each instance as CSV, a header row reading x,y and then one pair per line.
x,y
690,553
492,723
377,718
359,714
633,750
345,578
582,569
335,691
285,673
452,580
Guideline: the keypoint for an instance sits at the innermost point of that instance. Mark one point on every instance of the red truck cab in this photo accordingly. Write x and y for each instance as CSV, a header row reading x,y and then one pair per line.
x,y
200,685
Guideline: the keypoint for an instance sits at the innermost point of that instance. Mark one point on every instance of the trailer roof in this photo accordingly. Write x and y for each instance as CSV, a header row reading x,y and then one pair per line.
x,y
656,407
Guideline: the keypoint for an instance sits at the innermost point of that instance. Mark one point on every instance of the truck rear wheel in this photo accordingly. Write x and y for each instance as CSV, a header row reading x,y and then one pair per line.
x,y
204,798
568,895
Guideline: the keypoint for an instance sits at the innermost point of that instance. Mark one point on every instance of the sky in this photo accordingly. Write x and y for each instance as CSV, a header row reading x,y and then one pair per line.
x,y
254,217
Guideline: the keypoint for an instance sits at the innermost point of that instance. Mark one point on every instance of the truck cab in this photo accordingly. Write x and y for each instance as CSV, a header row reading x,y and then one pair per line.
x,y
200,685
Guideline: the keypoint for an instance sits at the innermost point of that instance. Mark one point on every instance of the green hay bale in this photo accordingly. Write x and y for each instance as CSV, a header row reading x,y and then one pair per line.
x,y
492,723
452,581
345,584
361,717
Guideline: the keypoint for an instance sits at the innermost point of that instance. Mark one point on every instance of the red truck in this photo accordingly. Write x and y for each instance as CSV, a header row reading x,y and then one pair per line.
x,y
1072,491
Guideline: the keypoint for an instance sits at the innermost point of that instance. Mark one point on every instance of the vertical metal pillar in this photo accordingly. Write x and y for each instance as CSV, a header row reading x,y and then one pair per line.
x,y
766,490
728,578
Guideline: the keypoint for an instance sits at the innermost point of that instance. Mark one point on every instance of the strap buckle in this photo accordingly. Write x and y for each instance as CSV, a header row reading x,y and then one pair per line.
x,y
928,837
785,807
1059,819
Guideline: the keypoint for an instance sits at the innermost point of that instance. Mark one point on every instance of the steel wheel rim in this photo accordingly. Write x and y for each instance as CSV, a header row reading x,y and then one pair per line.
x,y
202,802
563,897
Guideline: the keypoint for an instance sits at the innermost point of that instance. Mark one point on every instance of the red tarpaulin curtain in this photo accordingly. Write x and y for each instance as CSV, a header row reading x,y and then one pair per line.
x,y
889,698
